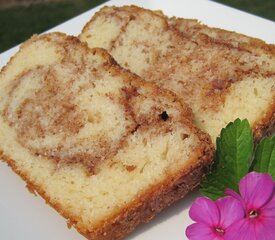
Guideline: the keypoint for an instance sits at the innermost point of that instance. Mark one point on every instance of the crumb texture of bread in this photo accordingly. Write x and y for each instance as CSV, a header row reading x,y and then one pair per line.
x,y
222,75
106,149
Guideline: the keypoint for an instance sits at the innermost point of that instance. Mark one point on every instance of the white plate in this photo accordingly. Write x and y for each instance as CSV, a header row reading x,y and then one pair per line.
x,y
25,217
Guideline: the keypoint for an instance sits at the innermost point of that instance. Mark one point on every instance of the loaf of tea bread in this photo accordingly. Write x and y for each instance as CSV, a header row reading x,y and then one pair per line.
x,y
105,148
220,78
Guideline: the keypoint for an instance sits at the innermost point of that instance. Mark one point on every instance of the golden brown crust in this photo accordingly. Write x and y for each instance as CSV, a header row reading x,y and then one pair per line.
x,y
128,9
192,29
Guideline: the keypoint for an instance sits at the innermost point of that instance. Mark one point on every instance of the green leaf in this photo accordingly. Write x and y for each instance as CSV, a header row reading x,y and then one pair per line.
x,y
232,159
264,160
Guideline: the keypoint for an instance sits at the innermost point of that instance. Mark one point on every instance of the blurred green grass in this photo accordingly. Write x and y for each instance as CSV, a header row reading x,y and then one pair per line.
x,y
19,23
262,8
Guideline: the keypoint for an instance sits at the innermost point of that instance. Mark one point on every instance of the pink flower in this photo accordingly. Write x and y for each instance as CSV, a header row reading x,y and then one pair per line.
x,y
213,218
257,195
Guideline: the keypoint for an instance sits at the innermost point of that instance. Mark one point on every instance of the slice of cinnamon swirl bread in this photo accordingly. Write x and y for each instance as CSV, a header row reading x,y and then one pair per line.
x,y
219,81
103,147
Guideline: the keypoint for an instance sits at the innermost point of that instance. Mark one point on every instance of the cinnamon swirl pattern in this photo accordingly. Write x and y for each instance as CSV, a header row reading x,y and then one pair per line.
x,y
65,115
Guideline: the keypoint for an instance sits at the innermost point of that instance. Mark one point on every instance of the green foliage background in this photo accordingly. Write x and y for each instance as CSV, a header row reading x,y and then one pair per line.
x,y
17,24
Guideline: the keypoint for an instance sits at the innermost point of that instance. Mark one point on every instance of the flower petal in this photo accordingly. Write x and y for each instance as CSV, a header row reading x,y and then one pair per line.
x,y
268,210
231,210
256,189
265,225
201,231
204,210
233,194
264,229
243,229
